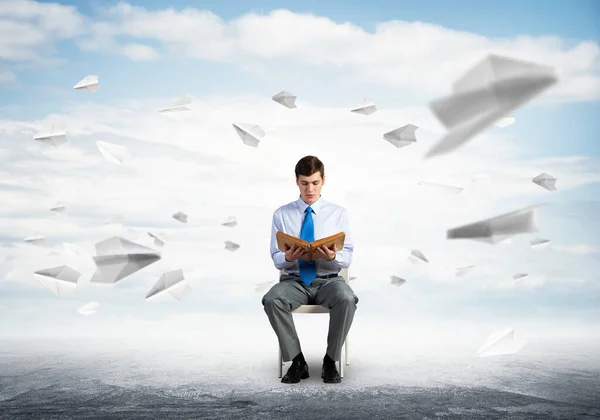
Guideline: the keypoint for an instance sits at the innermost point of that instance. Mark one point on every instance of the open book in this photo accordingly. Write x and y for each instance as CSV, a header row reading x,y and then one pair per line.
x,y
285,241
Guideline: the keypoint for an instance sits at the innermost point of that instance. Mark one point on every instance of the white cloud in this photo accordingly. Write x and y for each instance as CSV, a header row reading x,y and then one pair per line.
x,y
436,55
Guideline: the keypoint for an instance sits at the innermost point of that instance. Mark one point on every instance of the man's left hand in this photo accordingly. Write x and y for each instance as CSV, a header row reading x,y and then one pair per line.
x,y
326,253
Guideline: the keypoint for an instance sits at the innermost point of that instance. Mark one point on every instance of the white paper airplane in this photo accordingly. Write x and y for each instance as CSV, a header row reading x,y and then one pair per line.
x,y
519,276
498,228
88,83
230,222
505,122
501,342
397,281
170,286
251,134
403,136
58,207
55,136
35,239
286,99
89,308
118,257
231,246
546,181
73,249
441,187
117,219
181,103
366,108
490,90
112,152
417,256
539,243
462,271
61,280
181,216
159,240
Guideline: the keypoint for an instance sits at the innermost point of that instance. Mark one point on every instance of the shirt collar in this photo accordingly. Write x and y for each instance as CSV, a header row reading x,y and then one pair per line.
x,y
316,206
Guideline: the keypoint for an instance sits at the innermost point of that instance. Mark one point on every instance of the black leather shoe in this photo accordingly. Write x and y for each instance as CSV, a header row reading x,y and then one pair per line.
x,y
298,370
329,373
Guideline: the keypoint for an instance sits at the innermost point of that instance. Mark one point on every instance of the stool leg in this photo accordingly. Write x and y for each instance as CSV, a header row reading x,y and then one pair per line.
x,y
280,362
347,351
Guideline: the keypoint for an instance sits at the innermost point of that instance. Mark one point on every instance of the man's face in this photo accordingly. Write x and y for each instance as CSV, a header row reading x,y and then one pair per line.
x,y
310,187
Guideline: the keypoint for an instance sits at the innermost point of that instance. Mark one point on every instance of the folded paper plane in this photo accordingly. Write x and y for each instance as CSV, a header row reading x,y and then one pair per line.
x,y
545,181
519,276
112,152
286,99
498,228
501,342
441,187
462,271
230,222
35,239
489,91
366,108
89,308
417,256
403,136
231,246
58,207
159,240
539,243
251,134
397,281
117,258
182,103
181,216
55,136
88,84
61,280
170,286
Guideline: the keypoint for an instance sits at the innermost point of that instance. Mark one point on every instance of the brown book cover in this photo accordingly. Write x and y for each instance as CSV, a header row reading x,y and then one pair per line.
x,y
285,241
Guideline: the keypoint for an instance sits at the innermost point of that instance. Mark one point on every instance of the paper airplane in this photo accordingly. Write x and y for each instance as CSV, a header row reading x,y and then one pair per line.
x,y
36,239
112,152
159,240
501,342
58,207
367,108
417,256
89,308
61,280
263,287
461,271
519,276
251,134
539,243
55,136
88,84
498,228
118,257
479,177
545,181
403,136
441,187
352,278
117,219
170,286
286,99
181,216
231,246
505,122
397,281
490,90
181,103
230,222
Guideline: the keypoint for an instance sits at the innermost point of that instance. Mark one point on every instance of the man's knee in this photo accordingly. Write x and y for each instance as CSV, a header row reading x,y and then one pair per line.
x,y
345,298
272,301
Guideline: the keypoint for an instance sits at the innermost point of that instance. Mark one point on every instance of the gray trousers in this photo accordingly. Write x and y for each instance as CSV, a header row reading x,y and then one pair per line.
x,y
291,292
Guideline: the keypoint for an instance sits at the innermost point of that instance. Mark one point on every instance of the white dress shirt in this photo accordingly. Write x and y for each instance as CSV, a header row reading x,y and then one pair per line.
x,y
328,219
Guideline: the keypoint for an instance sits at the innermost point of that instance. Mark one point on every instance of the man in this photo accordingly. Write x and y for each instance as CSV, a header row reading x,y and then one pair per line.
x,y
317,283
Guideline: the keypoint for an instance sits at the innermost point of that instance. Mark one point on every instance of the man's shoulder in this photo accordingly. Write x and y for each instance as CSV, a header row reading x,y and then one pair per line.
x,y
334,208
285,208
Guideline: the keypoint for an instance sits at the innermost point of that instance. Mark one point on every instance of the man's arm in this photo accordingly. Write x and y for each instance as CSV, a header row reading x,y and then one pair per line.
x,y
278,256
343,257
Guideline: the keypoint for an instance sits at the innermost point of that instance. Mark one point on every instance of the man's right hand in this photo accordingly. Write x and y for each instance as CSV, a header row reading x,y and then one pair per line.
x,y
293,253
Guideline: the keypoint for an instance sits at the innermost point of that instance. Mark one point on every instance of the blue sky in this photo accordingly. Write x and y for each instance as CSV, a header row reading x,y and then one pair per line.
x,y
401,76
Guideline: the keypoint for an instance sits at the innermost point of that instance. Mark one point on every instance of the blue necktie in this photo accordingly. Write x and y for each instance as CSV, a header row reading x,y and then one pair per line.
x,y
308,270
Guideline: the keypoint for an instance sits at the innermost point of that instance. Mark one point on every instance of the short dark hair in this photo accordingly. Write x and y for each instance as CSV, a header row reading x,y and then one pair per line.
x,y
309,165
